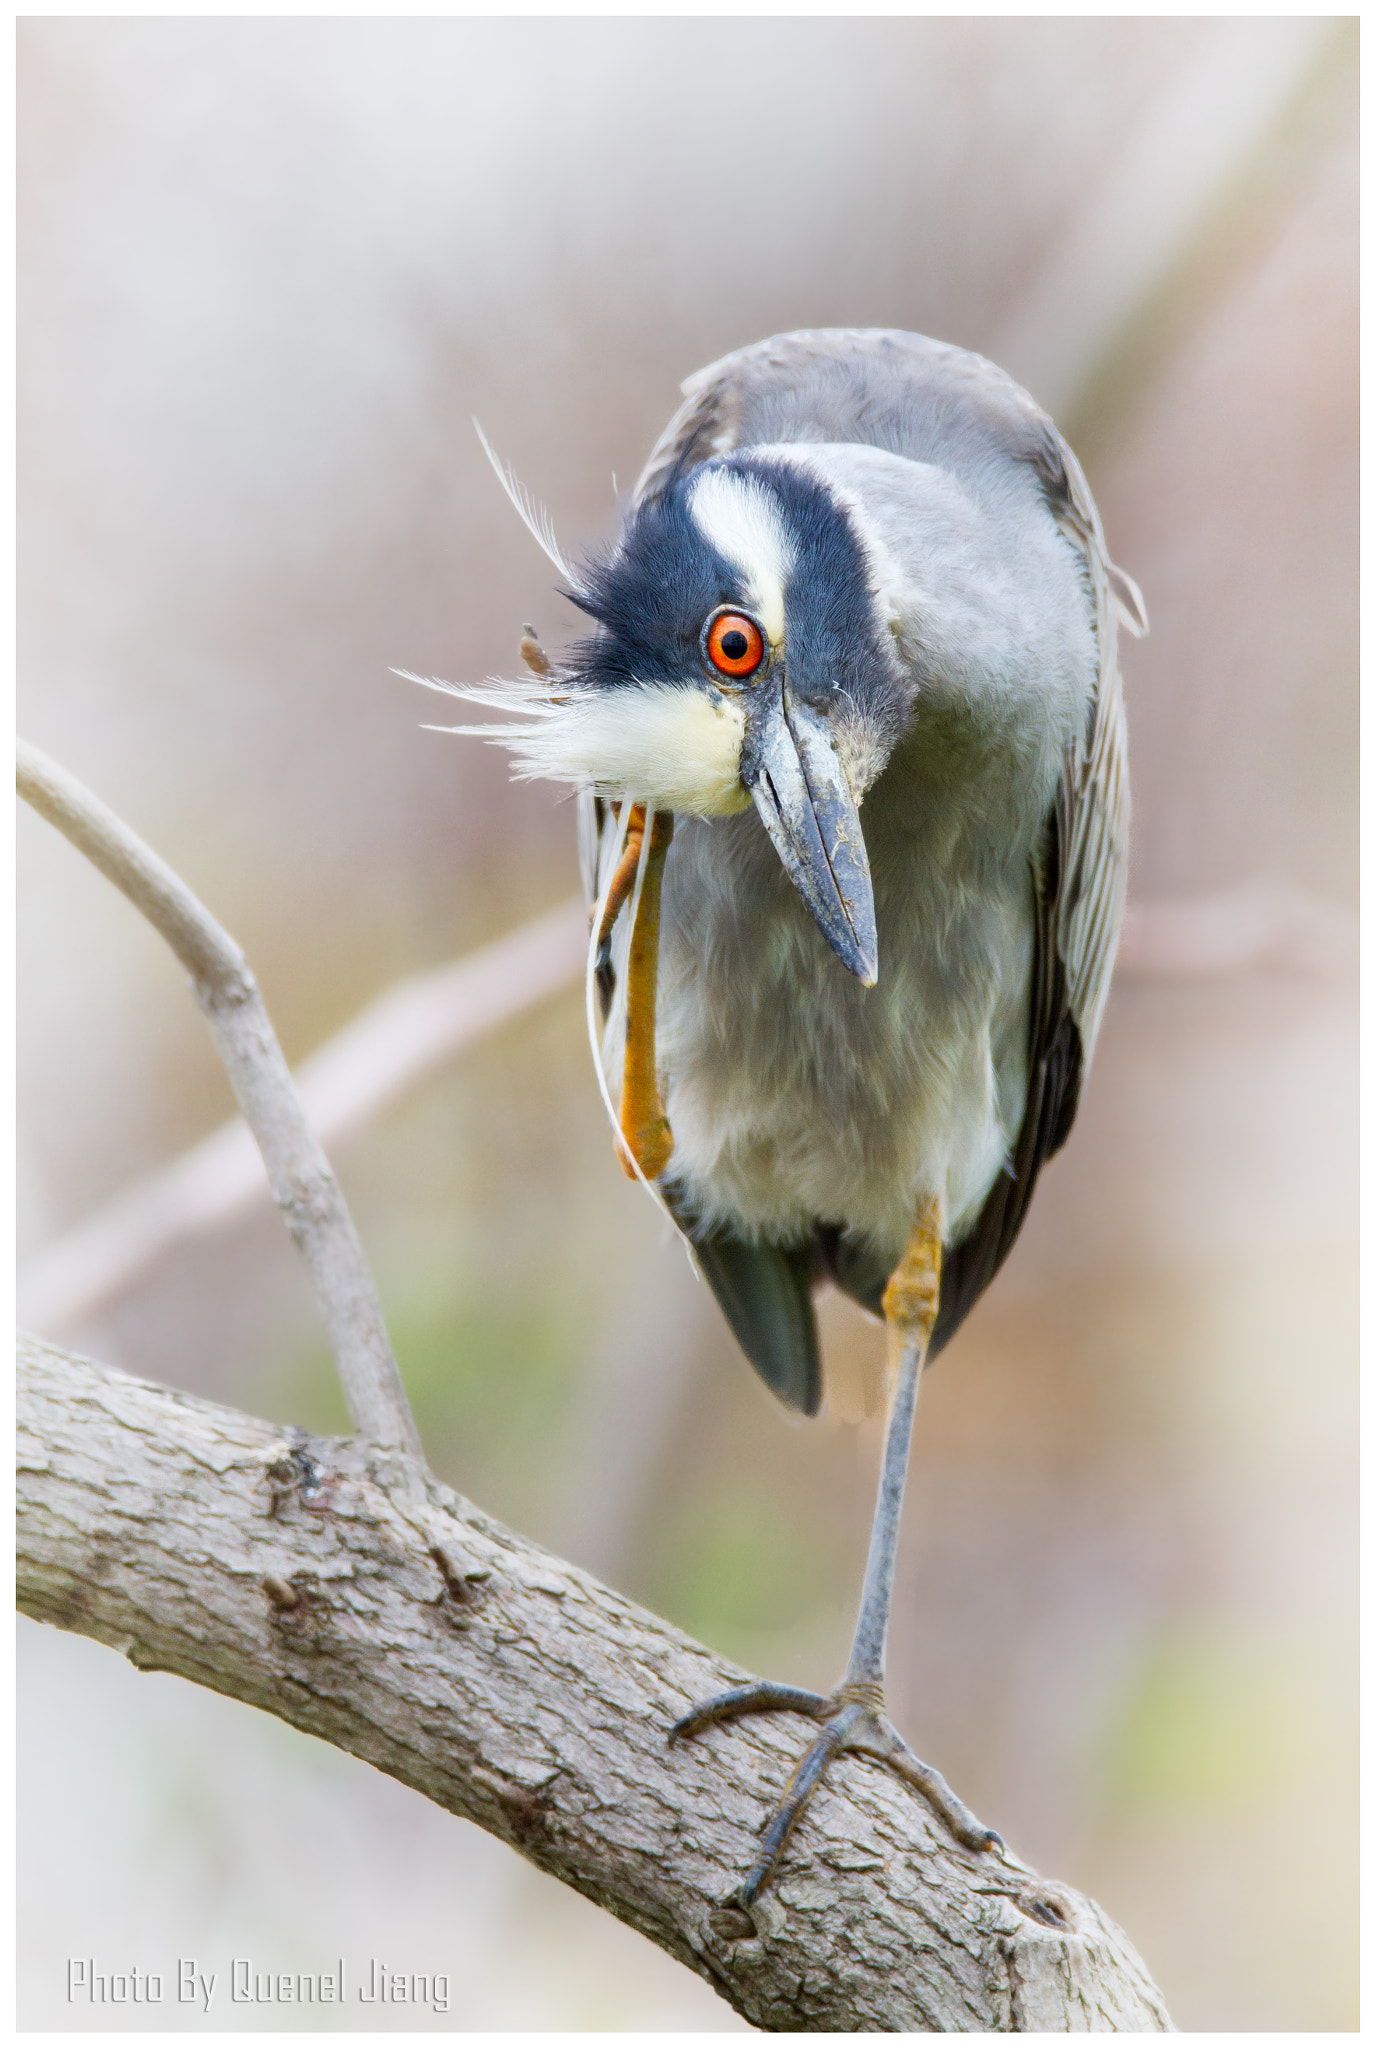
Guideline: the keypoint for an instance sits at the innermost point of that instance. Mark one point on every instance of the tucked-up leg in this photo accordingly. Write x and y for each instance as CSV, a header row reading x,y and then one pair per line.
x,y
645,1133
853,1716
623,881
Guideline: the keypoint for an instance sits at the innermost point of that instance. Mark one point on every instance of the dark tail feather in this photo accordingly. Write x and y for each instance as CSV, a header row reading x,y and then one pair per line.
x,y
765,1294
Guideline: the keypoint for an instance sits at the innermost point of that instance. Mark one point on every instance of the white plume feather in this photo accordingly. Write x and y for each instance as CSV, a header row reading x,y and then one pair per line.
x,y
532,514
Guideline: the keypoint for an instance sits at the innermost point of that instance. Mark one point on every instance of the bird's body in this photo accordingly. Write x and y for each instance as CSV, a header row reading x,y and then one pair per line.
x,y
798,1099
809,1113
858,638
796,1095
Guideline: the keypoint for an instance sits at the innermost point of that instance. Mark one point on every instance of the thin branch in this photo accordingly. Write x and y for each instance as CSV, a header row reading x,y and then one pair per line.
x,y
301,1177
413,1028
342,1588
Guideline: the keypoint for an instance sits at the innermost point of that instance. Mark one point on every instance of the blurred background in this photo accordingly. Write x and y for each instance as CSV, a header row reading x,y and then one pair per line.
x,y
269,271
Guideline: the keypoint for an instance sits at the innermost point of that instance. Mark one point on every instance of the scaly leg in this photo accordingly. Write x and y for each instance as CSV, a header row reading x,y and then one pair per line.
x,y
853,1716
645,1133
623,881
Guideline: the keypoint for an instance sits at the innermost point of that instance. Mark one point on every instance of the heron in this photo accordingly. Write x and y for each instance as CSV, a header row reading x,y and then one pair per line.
x,y
848,738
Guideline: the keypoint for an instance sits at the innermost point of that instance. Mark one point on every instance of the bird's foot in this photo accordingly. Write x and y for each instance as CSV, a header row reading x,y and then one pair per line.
x,y
852,1719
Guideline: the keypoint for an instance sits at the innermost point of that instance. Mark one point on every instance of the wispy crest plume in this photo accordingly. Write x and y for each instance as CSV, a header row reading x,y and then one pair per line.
x,y
532,514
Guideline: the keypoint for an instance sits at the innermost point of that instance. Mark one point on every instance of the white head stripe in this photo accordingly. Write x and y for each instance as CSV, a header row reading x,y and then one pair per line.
x,y
742,521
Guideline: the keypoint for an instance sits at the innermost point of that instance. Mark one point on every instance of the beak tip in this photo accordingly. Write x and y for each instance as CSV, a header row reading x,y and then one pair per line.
x,y
857,957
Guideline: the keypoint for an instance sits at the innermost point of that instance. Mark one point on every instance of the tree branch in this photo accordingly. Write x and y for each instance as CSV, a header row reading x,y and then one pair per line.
x,y
339,1586
412,1028
301,1177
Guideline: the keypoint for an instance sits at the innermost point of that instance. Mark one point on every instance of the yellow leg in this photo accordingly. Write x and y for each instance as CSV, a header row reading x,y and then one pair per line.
x,y
913,1294
624,878
644,1126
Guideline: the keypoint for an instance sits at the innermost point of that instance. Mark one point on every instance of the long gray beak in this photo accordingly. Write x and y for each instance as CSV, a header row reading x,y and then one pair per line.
x,y
790,767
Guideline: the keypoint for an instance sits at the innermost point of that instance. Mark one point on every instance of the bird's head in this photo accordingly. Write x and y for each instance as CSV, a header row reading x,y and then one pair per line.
x,y
740,654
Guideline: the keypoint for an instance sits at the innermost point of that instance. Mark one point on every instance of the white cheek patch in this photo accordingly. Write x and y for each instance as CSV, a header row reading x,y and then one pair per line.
x,y
736,515
675,747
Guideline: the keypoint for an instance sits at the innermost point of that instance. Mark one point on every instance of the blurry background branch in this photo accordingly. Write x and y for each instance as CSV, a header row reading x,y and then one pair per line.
x,y
301,1177
1204,146
328,1584
415,1027
1256,925
410,1030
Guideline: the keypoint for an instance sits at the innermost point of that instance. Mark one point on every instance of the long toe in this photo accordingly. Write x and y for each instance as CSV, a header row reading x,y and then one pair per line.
x,y
876,1736
807,1776
759,1698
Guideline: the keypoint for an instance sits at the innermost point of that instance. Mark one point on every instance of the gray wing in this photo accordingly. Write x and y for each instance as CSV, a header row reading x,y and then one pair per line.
x,y
1079,884
935,403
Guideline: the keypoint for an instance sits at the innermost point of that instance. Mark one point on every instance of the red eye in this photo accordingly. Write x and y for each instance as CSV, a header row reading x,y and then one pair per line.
x,y
735,645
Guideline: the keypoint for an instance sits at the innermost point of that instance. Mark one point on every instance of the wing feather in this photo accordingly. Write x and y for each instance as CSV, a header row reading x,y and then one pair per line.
x,y
1079,885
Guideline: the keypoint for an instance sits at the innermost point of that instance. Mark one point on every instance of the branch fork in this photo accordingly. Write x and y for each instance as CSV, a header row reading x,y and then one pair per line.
x,y
302,1179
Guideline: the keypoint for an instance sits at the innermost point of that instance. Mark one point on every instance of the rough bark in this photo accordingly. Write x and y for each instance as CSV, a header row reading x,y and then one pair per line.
x,y
340,1586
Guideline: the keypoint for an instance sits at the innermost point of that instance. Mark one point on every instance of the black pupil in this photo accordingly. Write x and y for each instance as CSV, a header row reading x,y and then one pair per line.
x,y
734,645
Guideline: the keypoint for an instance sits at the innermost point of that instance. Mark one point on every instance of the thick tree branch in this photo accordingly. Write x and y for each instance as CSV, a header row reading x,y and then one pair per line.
x,y
301,1177
338,1585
